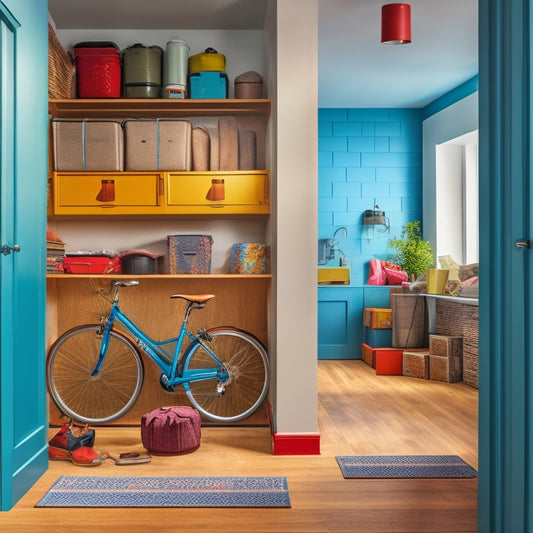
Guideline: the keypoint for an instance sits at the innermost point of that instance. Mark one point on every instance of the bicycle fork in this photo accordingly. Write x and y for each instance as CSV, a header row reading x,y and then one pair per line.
x,y
105,327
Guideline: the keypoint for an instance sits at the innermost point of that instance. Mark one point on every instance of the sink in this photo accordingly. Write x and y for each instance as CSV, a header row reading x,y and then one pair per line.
x,y
333,275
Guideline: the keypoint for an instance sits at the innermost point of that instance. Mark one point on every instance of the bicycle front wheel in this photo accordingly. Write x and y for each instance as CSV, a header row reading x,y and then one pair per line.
x,y
246,362
94,399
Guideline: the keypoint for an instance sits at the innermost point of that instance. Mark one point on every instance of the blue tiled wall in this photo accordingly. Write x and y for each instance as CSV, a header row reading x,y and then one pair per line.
x,y
368,155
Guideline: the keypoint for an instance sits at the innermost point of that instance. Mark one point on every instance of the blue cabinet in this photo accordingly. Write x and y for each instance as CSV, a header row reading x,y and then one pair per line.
x,y
340,319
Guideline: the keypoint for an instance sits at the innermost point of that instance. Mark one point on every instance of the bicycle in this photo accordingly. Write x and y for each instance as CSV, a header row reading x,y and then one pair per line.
x,y
95,372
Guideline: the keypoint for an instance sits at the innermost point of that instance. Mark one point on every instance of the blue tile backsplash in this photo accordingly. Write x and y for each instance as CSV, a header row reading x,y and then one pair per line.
x,y
367,156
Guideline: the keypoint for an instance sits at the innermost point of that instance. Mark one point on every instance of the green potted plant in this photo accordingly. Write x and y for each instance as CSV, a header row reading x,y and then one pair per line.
x,y
414,255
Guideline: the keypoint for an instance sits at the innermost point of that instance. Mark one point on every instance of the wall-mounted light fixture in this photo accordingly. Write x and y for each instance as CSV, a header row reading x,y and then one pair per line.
x,y
396,24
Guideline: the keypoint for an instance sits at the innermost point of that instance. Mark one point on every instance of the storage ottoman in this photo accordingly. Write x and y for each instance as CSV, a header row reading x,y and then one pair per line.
x,y
171,430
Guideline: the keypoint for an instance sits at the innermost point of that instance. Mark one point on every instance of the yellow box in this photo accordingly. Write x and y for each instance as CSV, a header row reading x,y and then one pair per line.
x,y
334,276
377,318
119,193
436,280
218,193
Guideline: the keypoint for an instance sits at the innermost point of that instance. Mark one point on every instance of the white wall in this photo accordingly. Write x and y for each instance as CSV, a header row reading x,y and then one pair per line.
x,y
453,121
295,283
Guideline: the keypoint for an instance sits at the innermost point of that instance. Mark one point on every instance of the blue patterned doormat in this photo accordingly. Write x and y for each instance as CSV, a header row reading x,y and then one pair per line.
x,y
137,491
404,466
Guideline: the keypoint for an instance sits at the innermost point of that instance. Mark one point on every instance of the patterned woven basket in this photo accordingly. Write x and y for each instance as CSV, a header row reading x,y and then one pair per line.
x,y
60,68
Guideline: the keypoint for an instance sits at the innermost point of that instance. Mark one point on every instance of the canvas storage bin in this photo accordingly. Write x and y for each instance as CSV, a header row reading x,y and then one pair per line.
x,y
250,258
157,144
171,430
98,69
87,145
142,71
189,254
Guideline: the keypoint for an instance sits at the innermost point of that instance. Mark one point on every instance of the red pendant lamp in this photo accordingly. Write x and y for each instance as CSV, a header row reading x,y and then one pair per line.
x,y
396,24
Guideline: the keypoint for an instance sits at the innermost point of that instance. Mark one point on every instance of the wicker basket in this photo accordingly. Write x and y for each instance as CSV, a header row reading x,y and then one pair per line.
x,y
60,68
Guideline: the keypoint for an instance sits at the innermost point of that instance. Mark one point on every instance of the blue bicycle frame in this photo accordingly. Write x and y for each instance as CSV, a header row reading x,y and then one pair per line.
x,y
174,371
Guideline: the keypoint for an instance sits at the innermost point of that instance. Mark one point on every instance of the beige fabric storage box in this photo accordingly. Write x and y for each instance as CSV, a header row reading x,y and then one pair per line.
x,y
88,145
157,144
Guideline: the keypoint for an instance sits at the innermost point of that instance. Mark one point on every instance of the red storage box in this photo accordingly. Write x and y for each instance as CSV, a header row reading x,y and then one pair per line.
x,y
91,264
98,69
389,362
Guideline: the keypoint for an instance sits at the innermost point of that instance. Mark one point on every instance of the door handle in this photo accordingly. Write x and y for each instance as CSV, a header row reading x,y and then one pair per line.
x,y
522,243
6,250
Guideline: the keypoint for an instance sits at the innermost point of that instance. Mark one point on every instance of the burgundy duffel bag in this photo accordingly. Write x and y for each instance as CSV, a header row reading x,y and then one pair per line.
x,y
171,430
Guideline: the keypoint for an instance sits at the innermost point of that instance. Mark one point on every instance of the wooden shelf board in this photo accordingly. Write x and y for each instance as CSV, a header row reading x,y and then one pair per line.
x,y
150,107
161,276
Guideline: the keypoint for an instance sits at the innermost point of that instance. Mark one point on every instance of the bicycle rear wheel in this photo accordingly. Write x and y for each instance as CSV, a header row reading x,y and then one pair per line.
x,y
246,362
104,397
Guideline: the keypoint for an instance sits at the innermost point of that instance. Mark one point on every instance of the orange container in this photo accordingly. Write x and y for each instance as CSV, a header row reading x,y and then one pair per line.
x,y
377,318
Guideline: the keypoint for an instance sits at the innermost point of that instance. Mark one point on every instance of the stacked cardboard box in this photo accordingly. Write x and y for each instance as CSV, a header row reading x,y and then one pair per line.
x,y
446,358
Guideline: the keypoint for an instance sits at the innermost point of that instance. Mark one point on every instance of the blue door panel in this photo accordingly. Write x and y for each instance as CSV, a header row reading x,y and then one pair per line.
x,y
23,135
340,317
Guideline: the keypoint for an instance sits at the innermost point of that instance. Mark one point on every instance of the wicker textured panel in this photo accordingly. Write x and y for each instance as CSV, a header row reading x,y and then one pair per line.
x,y
60,68
462,320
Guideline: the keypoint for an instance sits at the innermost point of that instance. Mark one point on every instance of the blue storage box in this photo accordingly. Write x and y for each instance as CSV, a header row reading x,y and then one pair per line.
x,y
378,338
208,85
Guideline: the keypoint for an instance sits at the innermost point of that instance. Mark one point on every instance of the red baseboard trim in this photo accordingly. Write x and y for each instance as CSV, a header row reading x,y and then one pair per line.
x,y
287,444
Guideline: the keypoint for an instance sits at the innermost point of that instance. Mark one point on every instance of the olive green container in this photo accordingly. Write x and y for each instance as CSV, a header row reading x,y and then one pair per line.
x,y
142,67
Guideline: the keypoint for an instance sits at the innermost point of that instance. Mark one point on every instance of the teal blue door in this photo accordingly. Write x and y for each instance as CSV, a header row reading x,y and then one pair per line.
x,y
506,267
23,127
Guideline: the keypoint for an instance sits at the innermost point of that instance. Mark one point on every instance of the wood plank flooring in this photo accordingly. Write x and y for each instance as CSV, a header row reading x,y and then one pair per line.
x,y
359,413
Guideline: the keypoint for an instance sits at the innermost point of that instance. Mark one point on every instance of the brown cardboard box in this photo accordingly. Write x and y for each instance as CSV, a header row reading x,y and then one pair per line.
x,y
88,145
158,144
416,364
445,369
410,323
446,345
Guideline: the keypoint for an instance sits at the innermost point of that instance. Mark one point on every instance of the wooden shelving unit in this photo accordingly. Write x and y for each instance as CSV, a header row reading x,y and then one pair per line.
x,y
151,107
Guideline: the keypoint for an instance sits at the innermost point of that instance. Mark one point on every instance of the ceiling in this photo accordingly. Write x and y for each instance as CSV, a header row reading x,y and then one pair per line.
x,y
355,69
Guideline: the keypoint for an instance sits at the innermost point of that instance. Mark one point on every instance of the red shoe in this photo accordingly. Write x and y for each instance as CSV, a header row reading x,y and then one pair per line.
x,y
76,445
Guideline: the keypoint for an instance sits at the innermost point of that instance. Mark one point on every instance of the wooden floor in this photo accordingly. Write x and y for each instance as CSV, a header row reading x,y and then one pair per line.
x,y
359,413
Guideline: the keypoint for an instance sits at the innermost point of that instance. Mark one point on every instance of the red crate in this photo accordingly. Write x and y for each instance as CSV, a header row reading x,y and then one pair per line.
x,y
98,70
389,362
91,265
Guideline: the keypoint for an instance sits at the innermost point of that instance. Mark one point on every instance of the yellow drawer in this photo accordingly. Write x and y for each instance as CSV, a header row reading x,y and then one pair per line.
x,y
121,193
239,192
